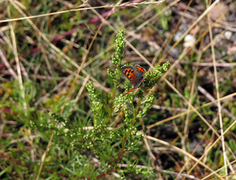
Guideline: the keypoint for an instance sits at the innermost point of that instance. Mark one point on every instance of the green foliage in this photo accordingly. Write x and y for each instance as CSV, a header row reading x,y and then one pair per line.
x,y
117,58
147,105
96,104
103,139
78,139
97,142
151,78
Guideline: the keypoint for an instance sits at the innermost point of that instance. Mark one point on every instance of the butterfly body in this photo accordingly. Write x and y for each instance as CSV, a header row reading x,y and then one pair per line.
x,y
135,74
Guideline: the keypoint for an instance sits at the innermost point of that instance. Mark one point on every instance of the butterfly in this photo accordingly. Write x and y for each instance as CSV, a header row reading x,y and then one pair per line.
x,y
134,75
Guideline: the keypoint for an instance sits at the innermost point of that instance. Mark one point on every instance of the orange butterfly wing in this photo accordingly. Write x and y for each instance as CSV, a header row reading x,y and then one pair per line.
x,y
128,71
134,74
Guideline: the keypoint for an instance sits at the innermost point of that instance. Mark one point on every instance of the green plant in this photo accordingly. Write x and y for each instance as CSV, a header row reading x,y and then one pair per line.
x,y
113,144
92,146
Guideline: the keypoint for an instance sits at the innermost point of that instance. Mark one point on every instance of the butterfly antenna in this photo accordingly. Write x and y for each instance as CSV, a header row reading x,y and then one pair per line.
x,y
129,91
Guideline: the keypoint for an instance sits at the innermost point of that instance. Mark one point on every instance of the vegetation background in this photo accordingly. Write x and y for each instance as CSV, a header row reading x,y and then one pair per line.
x,y
63,115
